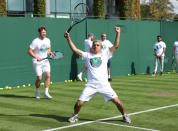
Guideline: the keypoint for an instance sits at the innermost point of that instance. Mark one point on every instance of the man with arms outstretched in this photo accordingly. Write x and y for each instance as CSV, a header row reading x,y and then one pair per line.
x,y
96,61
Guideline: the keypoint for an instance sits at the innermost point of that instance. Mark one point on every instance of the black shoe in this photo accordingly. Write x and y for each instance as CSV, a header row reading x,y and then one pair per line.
x,y
161,73
109,79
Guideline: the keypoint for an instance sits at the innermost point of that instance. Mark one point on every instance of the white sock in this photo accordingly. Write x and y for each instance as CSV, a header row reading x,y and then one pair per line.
x,y
109,76
81,73
37,90
46,90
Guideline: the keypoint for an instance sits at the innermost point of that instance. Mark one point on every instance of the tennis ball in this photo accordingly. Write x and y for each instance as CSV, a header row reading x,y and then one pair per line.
x,y
18,86
29,84
128,74
6,87
69,81
51,82
42,84
1,88
65,81
10,88
23,86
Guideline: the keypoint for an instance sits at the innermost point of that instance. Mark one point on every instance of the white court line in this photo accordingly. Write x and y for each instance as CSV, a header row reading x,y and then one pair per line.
x,y
146,129
99,120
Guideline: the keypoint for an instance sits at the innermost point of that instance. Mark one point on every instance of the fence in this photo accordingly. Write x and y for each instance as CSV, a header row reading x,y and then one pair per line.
x,y
134,56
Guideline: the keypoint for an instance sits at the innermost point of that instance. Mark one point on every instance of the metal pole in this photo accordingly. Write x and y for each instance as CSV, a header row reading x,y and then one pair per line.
x,y
48,8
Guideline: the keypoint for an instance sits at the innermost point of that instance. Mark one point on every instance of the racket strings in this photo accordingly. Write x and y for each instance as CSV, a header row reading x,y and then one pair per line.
x,y
80,12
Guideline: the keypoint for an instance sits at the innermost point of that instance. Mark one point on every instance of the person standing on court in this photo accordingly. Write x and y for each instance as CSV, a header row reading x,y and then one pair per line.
x,y
159,50
107,44
97,76
175,53
40,48
88,44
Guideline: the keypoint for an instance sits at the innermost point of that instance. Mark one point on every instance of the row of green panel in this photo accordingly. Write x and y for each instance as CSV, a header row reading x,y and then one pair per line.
x,y
134,55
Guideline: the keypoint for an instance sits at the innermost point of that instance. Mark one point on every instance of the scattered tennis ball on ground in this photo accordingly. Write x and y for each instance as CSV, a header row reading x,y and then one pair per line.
x,y
128,74
85,79
65,81
1,88
42,84
23,86
6,87
51,82
29,84
10,88
18,86
69,81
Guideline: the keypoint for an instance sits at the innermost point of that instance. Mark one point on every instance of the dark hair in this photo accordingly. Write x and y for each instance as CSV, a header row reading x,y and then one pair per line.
x,y
159,36
41,28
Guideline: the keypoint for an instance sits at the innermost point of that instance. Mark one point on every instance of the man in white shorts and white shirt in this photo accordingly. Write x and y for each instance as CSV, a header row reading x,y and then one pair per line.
x,y
107,44
159,50
175,53
88,44
96,62
40,48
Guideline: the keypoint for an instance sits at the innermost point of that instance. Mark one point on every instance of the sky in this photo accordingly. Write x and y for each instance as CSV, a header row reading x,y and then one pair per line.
x,y
174,2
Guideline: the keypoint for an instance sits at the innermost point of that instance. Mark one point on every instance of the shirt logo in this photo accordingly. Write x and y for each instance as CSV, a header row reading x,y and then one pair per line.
x,y
159,47
104,46
43,48
95,62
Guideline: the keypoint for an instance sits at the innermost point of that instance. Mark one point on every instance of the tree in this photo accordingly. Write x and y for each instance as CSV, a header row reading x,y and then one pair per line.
x,y
128,9
176,17
3,8
123,7
98,9
158,9
39,8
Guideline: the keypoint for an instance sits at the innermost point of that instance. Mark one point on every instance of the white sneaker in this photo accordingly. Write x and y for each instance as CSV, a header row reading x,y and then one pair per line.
x,y
79,76
47,96
73,118
37,95
153,74
126,119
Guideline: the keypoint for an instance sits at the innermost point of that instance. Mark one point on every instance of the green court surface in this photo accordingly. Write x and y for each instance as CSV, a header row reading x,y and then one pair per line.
x,y
151,102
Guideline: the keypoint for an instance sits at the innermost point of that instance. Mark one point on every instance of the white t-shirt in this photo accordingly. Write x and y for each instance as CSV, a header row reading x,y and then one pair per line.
x,y
106,44
97,66
40,47
159,47
88,45
176,47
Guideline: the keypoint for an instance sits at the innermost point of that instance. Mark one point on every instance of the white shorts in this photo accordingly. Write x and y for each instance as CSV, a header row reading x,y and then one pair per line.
x,y
91,90
41,67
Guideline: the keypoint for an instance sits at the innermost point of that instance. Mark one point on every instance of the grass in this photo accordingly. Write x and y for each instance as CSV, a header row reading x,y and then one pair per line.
x,y
20,111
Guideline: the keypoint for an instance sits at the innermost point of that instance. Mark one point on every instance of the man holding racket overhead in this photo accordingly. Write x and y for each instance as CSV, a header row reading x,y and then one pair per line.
x,y
40,48
96,62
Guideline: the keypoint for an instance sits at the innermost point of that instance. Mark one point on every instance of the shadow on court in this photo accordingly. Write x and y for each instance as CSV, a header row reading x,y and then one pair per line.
x,y
58,118
15,96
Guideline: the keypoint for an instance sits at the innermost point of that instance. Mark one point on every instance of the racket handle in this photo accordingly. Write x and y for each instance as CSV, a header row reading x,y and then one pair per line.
x,y
69,29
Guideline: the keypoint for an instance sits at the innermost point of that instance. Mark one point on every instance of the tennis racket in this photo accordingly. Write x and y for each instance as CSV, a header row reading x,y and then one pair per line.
x,y
56,55
166,59
173,64
80,14
123,28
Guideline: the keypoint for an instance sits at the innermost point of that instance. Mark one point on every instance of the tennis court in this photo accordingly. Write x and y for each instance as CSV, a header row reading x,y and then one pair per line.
x,y
150,101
